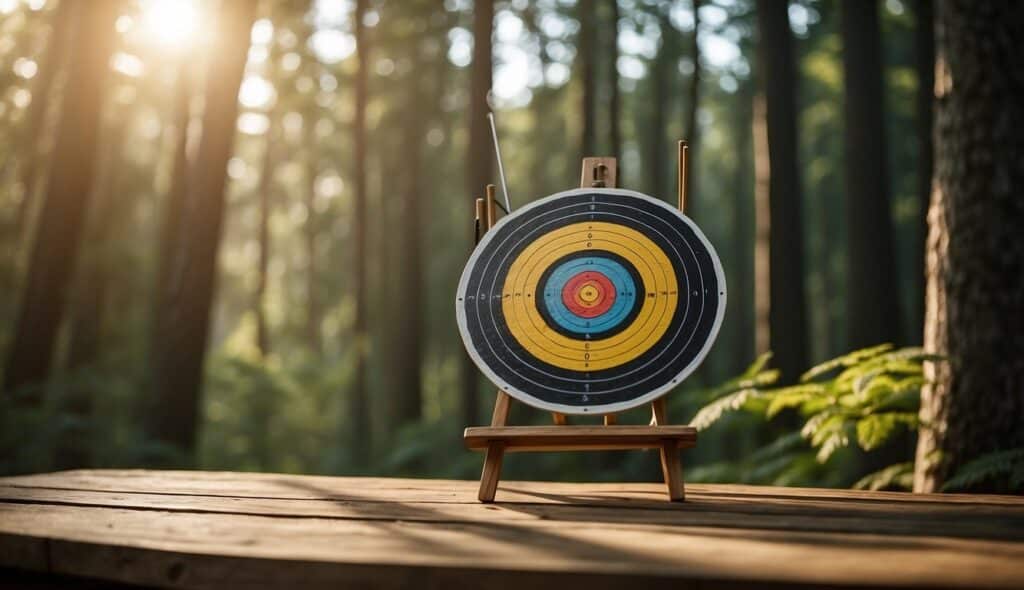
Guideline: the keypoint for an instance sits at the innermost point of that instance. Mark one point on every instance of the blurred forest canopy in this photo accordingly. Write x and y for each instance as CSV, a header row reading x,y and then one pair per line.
x,y
232,230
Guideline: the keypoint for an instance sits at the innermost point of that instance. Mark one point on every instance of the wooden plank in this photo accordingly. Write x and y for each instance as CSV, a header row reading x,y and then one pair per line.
x,y
90,542
277,485
524,501
551,438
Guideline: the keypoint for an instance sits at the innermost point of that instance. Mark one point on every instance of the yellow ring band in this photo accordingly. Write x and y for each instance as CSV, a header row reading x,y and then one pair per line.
x,y
530,330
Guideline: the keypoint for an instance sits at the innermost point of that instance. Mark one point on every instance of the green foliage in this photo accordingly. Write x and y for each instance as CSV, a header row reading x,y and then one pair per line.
x,y
864,397
1007,464
898,476
261,416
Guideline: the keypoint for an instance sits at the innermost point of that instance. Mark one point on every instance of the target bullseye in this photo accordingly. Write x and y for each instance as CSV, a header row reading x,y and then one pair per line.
x,y
589,294
591,299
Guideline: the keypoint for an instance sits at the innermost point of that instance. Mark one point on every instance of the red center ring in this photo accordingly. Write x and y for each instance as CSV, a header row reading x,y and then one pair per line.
x,y
571,294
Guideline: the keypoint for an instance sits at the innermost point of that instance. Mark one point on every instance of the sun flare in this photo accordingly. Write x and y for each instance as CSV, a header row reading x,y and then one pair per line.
x,y
171,22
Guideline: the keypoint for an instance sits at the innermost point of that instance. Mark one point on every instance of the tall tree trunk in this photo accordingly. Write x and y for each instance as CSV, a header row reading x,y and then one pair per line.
x,y
174,203
481,167
183,320
412,191
614,98
585,55
49,65
924,58
661,72
408,393
872,306
314,313
743,268
266,195
692,130
68,195
787,313
360,442
762,226
974,403
88,304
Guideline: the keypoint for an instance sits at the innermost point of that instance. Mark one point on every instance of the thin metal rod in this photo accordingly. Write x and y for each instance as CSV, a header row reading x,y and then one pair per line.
x,y
501,167
683,170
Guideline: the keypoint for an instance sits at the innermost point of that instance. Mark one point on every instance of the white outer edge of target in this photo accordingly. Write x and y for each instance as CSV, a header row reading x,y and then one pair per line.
x,y
596,409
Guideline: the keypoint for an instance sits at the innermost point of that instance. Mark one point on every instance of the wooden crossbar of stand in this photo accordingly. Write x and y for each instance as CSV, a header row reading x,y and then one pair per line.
x,y
579,438
498,438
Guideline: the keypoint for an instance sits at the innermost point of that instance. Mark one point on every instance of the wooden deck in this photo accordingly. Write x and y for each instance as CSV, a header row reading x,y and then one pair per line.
x,y
225,530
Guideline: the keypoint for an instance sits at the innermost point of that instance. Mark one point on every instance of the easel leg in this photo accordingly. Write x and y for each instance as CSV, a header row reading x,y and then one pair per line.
x,y
492,472
672,471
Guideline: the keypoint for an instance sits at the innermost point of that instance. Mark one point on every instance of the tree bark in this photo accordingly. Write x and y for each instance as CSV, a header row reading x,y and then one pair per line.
x,y
68,196
692,129
49,65
787,312
314,310
762,226
360,442
661,70
183,320
924,58
174,203
872,311
481,167
614,98
974,403
585,55
89,303
266,194
742,304
408,327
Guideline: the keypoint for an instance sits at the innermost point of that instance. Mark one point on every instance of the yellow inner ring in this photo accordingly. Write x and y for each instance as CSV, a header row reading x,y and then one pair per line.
x,y
532,332
588,294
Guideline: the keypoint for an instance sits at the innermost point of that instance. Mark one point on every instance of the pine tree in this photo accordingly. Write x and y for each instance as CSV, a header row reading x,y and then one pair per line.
x,y
973,403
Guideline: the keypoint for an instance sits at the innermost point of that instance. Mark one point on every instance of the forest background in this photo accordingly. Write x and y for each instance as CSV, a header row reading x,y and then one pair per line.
x,y
231,231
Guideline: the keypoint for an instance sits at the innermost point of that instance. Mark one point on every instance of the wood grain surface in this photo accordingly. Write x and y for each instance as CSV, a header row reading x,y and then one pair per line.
x,y
179,529
571,438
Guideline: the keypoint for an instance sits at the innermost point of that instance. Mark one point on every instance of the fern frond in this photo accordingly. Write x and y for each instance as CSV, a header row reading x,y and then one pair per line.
x,y
779,446
846,360
791,397
832,443
874,429
710,413
757,366
988,466
899,476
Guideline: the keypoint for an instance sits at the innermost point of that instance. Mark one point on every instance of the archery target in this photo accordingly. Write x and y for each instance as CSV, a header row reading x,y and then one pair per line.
x,y
591,301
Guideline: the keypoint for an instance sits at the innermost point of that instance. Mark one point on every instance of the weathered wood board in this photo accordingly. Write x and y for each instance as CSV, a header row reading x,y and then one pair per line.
x,y
223,530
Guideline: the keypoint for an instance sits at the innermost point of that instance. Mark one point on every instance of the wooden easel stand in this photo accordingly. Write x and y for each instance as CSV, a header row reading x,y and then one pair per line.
x,y
498,438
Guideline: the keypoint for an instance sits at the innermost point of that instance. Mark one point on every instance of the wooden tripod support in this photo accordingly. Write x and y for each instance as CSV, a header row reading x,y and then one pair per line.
x,y
498,438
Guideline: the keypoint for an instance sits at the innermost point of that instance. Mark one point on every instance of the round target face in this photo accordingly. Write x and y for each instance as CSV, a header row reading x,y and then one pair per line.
x,y
591,301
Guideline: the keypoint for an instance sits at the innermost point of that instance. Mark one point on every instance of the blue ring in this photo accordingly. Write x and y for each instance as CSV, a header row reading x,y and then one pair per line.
x,y
620,278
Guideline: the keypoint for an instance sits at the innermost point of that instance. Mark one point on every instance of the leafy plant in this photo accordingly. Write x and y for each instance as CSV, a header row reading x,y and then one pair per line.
x,y
898,476
1009,464
864,397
